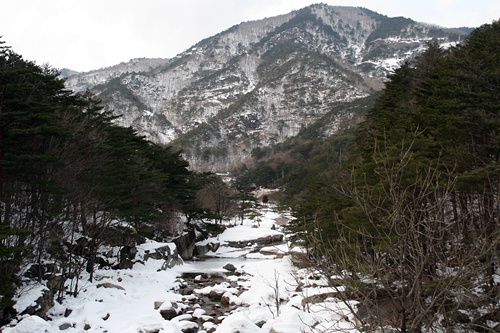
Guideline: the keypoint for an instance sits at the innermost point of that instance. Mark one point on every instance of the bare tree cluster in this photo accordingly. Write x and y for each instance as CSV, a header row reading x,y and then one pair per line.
x,y
421,262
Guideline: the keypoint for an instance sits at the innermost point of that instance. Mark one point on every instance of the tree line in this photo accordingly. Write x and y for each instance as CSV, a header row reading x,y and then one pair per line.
x,y
70,179
408,198
410,221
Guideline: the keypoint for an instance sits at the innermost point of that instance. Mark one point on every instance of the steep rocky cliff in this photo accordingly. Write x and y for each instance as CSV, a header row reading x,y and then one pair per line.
x,y
259,82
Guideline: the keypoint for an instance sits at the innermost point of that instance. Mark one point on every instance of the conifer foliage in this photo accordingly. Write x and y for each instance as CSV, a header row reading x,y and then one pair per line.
x,y
412,224
68,173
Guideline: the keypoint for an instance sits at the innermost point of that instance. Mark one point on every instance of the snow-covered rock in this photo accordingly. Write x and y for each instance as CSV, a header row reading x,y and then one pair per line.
x,y
238,323
31,324
150,298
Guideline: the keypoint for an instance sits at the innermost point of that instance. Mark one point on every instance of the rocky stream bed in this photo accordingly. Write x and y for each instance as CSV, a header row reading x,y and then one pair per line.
x,y
207,298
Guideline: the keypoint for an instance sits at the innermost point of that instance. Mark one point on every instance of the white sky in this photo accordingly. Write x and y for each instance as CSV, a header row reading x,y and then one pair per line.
x,y
90,34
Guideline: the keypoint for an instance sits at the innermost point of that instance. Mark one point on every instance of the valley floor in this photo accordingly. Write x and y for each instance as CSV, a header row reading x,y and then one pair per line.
x,y
258,292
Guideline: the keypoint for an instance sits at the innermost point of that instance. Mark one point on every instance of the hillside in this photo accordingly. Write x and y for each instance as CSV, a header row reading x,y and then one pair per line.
x,y
259,82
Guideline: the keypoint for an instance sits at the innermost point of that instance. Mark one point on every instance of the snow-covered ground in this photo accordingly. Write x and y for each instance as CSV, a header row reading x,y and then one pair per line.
x,y
261,296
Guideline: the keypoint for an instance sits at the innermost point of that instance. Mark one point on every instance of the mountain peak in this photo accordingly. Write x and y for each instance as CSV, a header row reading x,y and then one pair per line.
x,y
259,82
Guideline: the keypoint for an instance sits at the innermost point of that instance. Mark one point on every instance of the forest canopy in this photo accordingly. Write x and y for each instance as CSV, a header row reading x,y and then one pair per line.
x,y
415,207
68,173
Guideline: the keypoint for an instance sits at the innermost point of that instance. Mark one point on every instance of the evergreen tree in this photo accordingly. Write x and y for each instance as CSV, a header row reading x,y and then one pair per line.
x,y
423,197
67,171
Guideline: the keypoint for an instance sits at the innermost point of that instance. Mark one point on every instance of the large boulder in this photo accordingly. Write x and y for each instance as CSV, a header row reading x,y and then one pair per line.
x,y
238,323
127,256
41,305
230,267
168,310
161,251
186,244
201,249
32,324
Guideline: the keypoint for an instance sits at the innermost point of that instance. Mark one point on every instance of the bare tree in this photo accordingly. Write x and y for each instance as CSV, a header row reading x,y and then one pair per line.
x,y
218,199
412,264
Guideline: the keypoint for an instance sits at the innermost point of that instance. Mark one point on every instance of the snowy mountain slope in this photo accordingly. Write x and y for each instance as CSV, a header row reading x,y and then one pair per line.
x,y
258,82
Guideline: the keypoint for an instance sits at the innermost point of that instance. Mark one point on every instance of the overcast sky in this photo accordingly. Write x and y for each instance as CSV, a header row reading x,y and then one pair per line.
x,y
90,34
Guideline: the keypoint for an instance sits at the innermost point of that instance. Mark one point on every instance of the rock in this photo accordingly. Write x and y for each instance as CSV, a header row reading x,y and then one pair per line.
x,y
186,244
164,253
225,300
215,247
127,255
190,329
230,267
67,312
124,264
42,304
109,285
238,322
181,282
153,330
55,282
199,313
34,271
157,305
210,327
183,317
200,279
169,310
65,326
186,291
82,247
32,324
200,250
269,250
215,295
267,240
168,313
102,262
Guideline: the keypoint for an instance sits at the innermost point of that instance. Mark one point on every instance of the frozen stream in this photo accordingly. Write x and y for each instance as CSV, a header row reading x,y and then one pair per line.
x,y
214,265
196,297
235,280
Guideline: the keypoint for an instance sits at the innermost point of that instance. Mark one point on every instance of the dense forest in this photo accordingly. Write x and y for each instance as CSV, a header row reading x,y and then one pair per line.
x,y
404,208
71,180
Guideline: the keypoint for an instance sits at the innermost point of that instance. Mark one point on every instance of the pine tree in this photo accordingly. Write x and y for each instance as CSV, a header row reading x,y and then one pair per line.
x,y
67,171
423,197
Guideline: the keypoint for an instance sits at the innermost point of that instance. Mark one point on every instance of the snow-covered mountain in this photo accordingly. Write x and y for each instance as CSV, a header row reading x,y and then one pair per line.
x,y
259,82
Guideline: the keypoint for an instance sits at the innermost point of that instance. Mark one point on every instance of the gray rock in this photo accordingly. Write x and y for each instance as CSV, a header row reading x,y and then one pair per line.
x,y
109,285
203,249
65,326
186,244
230,267
42,304
215,295
168,313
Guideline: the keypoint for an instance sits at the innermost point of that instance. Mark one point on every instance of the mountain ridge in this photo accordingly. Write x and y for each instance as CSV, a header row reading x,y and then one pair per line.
x,y
259,82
